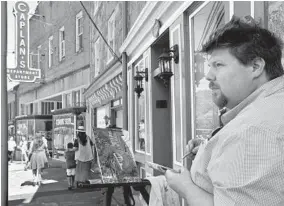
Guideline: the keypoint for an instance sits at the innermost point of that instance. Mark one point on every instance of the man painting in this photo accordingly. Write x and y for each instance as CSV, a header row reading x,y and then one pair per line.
x,y
243,164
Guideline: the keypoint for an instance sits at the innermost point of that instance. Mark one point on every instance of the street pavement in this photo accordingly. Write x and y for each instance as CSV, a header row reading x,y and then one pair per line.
x,y
53,190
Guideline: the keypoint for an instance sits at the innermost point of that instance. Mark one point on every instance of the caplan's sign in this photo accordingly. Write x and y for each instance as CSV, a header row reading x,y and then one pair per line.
x,y
22,72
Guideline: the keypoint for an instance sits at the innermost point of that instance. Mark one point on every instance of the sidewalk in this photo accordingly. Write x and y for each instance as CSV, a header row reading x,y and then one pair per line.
x,y
53,190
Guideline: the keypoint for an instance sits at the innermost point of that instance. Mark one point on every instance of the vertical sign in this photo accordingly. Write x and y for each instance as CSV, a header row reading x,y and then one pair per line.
x,y
22,72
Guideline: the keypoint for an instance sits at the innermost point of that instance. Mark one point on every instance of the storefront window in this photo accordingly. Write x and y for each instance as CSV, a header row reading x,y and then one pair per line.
x,y
63,130
103,116
276,19
22,130
140,114
209,18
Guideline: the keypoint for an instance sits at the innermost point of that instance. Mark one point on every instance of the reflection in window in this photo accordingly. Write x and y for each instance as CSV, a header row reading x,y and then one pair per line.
x,y
140,114
204,23
276,19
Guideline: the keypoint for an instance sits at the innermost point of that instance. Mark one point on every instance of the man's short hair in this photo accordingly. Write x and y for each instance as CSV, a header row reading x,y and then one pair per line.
x,y
247,41
70,145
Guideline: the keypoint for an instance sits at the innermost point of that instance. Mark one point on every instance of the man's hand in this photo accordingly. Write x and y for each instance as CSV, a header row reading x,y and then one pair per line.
x,y
192,147
180,182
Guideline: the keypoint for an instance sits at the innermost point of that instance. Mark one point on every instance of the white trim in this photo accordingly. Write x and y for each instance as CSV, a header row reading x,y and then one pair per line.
x,y
50,51
191,52
231,9
198,9
192,97
178,29
79,16
147,104
137,115
252,9
141,30
97,56
38,57
61,42
58,94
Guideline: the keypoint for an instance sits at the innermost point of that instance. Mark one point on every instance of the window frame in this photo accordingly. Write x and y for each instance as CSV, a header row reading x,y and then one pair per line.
x,y
61,43
97,57
79,46
192,62
39,57
111,36
50,52
140,65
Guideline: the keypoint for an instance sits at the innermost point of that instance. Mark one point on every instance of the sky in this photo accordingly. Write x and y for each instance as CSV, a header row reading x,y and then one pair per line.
x,y
11,60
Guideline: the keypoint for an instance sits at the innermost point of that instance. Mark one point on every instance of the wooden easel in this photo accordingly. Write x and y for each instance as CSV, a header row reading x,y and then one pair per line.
x,y
128,199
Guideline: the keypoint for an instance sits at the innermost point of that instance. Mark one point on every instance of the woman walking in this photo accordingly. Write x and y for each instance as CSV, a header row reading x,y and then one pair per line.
x,y
38,158
84,156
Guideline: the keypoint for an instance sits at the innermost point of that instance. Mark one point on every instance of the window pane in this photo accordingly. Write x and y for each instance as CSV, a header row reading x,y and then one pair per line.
x,y
140,107
276,19
204,22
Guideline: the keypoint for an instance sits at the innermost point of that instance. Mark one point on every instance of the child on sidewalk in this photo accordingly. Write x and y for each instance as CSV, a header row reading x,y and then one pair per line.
x,y
70,165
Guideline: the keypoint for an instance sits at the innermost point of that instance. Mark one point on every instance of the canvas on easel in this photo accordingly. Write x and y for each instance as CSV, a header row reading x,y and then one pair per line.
x,y
115,160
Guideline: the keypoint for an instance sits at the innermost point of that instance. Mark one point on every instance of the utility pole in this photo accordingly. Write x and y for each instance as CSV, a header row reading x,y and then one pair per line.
x,y
4,112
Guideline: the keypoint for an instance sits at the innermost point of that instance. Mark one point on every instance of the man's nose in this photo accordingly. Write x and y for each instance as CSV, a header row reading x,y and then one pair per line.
x,y
210,76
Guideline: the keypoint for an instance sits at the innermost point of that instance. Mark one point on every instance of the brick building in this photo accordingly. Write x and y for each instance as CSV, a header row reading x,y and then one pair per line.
x,y
59,46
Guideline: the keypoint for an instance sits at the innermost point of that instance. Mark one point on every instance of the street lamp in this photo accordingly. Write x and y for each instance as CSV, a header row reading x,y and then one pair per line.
x,y
165,64
139,81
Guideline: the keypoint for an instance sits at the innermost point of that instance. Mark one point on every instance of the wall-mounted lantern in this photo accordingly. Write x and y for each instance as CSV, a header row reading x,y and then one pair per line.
x,y
139,81
165,64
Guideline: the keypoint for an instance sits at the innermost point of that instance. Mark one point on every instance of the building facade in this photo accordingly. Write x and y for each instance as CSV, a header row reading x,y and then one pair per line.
x,y
96,62
167,116
105,93
59,46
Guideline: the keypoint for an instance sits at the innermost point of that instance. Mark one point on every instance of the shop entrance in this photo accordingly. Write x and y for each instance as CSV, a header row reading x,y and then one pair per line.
x,y
161,116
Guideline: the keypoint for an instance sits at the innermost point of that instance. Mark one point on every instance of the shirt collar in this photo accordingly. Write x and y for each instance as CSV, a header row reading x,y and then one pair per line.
x,y
264,91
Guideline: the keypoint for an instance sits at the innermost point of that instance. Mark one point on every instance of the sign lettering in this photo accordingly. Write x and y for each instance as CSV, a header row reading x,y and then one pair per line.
x,y
22,72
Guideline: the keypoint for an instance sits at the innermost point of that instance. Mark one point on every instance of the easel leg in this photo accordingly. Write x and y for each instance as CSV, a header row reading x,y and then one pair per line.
x,y
143,192
128,196
108,196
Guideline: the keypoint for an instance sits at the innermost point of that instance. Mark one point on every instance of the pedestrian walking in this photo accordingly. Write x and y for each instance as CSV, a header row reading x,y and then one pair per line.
x,y
70,165
38,159
24,150
85,156
46,149
11,149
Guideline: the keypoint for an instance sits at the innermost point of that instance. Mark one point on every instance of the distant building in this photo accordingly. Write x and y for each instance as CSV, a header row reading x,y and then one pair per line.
x,y
59,46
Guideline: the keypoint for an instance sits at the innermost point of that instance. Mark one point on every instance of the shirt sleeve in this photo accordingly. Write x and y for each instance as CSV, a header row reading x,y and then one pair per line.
x,y
249,168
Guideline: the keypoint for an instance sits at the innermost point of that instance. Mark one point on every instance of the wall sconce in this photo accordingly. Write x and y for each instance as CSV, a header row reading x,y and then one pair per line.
x,y
139,81
165,64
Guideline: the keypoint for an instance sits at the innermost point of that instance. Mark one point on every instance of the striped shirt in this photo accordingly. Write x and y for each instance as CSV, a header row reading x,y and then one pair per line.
x,y
243,164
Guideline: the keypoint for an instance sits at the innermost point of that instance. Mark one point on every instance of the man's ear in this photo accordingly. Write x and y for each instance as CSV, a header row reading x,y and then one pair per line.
x,y
258,65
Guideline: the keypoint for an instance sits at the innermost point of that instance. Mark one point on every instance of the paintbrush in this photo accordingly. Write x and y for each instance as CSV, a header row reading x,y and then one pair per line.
x,y
192,152
187,154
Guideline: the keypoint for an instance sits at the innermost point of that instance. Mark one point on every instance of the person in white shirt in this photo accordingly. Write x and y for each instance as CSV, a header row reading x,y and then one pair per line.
x,y
24,149
11,148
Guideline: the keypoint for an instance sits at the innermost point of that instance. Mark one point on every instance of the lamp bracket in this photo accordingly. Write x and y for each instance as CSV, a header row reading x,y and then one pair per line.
x,y
174,52
145,72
